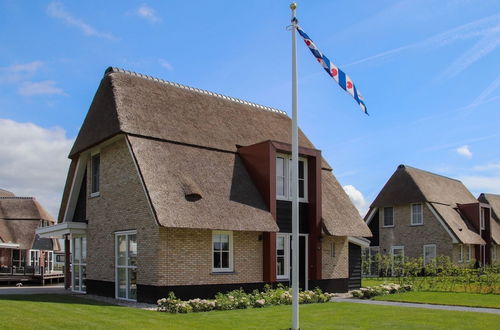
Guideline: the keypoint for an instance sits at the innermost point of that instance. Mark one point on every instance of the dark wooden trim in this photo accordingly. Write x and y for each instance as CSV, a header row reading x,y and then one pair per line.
x,y
337,285
67,267
314,215
269,257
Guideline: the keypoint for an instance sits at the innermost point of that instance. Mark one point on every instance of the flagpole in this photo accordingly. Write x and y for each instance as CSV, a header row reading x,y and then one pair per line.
x,y
295,180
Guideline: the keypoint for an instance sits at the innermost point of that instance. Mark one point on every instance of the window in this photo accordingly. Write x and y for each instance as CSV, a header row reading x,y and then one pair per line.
x,y
398,255
282,257
481,219
429,253
35,259
461,256
79,254
126,265
284,178
95,168
388,217
416,214
222,251
468,252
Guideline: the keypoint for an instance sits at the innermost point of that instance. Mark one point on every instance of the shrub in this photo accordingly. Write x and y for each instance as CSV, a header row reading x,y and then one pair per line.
x,y
380,290
238,299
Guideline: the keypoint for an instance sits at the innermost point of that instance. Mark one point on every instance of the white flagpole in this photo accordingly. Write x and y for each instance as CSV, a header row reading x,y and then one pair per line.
x,y
295,180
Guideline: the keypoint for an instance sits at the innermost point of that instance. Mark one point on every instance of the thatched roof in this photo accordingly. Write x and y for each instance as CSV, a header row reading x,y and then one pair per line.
x,y
494,202
412,185
6,193
19,218
185,142
340,217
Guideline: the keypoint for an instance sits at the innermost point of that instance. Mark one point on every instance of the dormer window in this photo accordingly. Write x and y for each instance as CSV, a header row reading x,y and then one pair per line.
x,y
284,178
481,219
95,169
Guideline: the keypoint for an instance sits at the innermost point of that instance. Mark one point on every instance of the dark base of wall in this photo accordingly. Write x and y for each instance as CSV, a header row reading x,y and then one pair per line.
x,y
338,285
151,293
101,288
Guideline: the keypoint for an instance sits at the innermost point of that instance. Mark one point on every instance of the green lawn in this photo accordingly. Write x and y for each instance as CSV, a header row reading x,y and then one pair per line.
x,y
446,298
60,311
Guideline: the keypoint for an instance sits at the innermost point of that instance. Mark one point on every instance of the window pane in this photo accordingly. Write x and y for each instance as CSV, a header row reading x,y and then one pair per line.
x,y
280,266
78,250
132,250
301,189
122,250
84,250
132,277
225,259
280,186
122,282
280,167
96,159
301,169
217,263
76,277
83,278
280,243
388,216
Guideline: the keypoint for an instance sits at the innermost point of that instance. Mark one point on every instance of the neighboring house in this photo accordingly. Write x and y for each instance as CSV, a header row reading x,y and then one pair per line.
x,y
173,188
422,214
21,250
494,202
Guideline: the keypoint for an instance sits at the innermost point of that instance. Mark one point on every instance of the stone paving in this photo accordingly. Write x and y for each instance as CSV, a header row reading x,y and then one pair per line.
x,y
414,305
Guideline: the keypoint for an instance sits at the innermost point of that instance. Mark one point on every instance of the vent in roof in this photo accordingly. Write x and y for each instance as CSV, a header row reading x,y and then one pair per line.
x,y
191,190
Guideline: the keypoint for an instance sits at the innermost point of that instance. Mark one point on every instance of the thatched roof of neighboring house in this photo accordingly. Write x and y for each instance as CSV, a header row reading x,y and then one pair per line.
x,y
19,218
6,193
494,202
175,131
412,185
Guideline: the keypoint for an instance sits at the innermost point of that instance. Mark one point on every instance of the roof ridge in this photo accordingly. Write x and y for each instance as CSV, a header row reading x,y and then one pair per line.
x,y
428,172
199,90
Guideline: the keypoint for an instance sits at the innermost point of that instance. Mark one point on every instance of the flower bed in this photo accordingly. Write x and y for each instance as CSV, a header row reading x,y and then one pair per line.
x,y
238,299
380,290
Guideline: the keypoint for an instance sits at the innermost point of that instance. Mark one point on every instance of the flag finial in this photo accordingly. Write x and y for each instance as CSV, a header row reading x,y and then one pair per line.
x,y
293,6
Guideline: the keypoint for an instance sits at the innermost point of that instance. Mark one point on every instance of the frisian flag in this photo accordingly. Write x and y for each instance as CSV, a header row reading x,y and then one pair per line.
x,y
340,77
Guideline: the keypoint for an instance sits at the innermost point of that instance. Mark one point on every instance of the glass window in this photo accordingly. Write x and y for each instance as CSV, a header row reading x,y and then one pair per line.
x,y
282,251
416,214
429,253
468,252
79,263
388,217
222,251
461,256
301,179
398,255
95,166
481,219
280,177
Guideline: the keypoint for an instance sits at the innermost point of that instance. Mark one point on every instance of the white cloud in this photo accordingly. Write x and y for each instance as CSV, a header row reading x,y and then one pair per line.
x,y
17,72
148,13
57,10
165,64
357,198
464,151
34,161
482,184
45,87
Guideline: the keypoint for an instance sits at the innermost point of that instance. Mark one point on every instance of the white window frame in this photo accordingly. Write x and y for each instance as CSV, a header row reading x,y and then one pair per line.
x,y
78,263
286,238
396,247
287,179
36,259
98,191
461,255
482,220
127,267
229,269
435,252
413,223
383,217
469,254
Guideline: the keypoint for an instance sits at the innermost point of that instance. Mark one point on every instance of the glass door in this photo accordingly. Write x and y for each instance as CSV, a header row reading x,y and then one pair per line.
x,y
126,265
79,272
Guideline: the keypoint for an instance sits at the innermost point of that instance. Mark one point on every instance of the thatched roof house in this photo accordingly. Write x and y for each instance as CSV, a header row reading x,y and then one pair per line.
x,y
193,163
450,209
494,202
19,218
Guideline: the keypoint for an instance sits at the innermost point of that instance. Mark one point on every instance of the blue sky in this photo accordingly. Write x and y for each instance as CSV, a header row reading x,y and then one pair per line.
x,y
429,72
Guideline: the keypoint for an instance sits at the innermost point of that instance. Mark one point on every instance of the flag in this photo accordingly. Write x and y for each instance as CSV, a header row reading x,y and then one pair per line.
x,y
340,77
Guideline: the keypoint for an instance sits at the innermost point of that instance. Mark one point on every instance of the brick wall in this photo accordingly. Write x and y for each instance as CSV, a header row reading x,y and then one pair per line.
x,y
121,205
335,265
413,238
186,258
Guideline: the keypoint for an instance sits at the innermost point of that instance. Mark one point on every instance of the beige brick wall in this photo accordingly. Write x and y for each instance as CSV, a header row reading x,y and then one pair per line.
x,y
335,265
122,205
186,258
413,238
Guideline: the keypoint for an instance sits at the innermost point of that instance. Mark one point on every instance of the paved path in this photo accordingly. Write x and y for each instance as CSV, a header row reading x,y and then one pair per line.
x,y
414,305
48,289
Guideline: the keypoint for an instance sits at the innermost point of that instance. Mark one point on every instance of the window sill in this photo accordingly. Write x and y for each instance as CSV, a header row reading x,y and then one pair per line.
x,y
225,272
95,194
388,226
416,224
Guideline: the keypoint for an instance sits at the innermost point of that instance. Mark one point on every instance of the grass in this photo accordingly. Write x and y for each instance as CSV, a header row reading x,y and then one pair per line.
x,y
446,298
436,284
62,312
